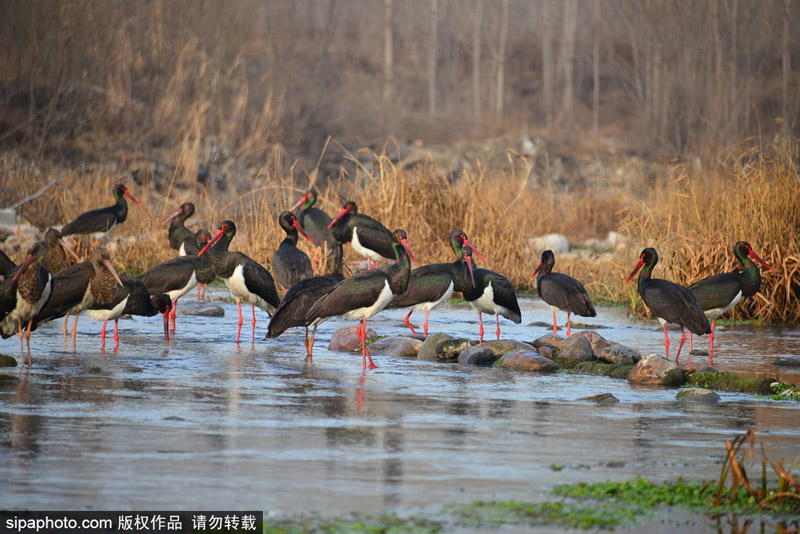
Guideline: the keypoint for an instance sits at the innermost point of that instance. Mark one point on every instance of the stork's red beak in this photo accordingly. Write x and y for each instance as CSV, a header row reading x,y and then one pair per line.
x,y
341,214
635,270
755,256
211,243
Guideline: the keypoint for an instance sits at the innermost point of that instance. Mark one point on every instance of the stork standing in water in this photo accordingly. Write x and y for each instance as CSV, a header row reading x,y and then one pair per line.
x,y
293,309
79,286
561,292
366,293
669,302
246,279
718,293
489,292
23,293
432,284
133,298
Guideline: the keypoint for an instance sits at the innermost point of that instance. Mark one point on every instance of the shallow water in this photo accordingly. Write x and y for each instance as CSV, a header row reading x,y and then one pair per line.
x,y
204,424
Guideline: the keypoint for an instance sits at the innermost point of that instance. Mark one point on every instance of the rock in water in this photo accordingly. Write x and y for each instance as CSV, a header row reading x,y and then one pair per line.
x,y
620,354
346,339
576,348
526,360
656,370
698,394
442,348
396,346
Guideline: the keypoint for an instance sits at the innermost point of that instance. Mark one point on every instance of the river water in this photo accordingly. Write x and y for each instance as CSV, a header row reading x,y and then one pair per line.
x,y
206,424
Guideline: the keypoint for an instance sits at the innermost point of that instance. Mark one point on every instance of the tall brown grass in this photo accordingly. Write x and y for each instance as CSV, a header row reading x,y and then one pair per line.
x,y
692,217
754,196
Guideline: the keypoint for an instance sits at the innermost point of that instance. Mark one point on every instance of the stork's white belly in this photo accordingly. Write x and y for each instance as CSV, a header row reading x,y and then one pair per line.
x,y
368,311
175,294
238,289
102,315
427,306
358,247
713,313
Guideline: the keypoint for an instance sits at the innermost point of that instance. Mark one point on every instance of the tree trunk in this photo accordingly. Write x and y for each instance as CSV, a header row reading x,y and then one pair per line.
x,y
476,63
387,50
785,61
568,55
501,61
596,71
547,61
432,58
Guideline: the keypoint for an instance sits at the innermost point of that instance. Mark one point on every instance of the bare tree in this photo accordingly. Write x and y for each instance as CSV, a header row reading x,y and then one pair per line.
x,y
548,80
476,62
387,50
434,44
596,70
501,60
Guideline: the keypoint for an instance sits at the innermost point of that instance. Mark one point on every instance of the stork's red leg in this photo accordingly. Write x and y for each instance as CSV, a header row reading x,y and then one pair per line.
x,y
408,323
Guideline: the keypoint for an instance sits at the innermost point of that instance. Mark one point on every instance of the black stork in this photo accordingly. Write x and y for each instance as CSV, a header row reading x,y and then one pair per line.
x,y
296,303
174,277
203,270
133,298
193,244
178,233
432,284
366,293
6,265
289,263
79,286
561,292
719,293
315,222
246,279
99,222
668,301
55,257
368,237
23,294
489,292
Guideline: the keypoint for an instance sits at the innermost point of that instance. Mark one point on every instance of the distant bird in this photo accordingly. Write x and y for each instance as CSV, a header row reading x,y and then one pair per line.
x,y
23,293
315,222
489,292
193,244
178,233
174,277
718,293
79,286
290,264
294,307
133,298
366,293
99,222
6,265
368,237
55,257
561,292
432,284
669,302
246,279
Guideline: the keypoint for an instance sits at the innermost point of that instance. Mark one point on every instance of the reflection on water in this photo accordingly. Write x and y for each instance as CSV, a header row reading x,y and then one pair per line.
x,y
256,427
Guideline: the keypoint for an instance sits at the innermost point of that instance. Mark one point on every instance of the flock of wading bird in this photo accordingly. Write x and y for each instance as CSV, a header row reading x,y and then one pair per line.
x,y
45,287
